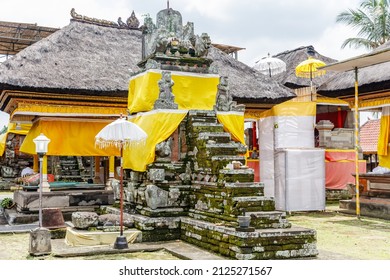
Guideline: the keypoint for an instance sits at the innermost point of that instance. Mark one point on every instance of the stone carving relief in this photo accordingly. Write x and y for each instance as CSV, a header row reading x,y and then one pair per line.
x,y
169,37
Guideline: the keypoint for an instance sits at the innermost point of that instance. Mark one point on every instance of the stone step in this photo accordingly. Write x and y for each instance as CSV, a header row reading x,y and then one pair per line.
x,y
199,127
219,162
282,243
244,189
268,219
201,113
225,149
201,117
252,204
243,175
218,137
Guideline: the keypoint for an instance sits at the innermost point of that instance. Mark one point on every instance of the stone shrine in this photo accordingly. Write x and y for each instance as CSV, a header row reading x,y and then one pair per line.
x,y
198,188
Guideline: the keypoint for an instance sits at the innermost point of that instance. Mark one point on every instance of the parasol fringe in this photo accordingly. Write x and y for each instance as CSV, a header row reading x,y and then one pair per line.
x,y
103,144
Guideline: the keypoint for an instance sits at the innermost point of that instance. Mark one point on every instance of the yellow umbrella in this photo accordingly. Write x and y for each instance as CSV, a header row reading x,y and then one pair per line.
x,y
309,69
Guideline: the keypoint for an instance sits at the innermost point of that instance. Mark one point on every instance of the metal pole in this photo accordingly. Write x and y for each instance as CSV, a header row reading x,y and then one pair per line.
x,y
40,188
121,195
357,144
311,84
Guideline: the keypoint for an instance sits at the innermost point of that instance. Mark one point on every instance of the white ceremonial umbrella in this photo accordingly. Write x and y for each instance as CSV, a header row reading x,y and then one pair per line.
x,y
270,65
121,133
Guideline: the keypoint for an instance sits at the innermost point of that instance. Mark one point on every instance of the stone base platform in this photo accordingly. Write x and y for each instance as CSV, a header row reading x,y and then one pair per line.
x,y
154,229
27,203
369,206
261,244
76,237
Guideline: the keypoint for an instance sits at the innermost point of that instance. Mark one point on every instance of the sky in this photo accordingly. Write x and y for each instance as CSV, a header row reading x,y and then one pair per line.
x,y
259,26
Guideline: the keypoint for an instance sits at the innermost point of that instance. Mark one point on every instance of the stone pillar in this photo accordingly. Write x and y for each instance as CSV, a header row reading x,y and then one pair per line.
x,y
40,242
96,178
324,128
45,183
111,172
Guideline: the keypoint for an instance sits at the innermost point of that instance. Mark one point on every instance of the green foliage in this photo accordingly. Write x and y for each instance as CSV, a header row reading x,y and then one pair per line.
x,y
372,21
7,202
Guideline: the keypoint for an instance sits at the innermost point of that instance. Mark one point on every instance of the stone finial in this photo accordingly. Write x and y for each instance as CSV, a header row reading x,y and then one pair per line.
x,y
132,21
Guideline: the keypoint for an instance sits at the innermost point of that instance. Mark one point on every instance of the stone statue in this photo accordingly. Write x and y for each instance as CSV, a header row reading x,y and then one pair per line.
x,y
202,45
163,149
170,38
166,98
224,101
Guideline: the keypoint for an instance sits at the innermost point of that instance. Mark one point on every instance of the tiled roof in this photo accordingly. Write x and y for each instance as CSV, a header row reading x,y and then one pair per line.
x,y
369,135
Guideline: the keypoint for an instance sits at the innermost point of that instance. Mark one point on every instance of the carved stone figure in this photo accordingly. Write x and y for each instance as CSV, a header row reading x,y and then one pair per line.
x,y
166,98
121,23
163,149
224,101
202,45
152,64
170,38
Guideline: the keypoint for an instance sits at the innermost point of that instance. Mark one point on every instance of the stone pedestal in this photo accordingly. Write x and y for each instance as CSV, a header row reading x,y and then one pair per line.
x,y
52,218
40,242
324,128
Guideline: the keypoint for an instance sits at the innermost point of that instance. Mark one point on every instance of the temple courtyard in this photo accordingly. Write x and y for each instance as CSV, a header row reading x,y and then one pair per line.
x,y
340,236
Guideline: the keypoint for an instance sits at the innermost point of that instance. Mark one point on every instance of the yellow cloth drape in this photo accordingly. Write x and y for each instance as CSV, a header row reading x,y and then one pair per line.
x,y
158,125
21,129
291,109
374,103
72,138
234,123
191,91
383,141
324,100
57,110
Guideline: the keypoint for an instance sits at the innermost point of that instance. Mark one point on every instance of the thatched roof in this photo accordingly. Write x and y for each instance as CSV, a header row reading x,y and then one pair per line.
x,y
374,78
85,58
247,84
292,58
79,57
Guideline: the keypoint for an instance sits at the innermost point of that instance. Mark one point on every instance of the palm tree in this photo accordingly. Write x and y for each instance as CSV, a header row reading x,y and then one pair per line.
x,y
372,20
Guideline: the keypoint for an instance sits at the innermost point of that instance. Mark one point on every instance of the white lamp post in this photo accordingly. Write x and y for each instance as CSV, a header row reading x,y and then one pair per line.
x,y
40,243
41,145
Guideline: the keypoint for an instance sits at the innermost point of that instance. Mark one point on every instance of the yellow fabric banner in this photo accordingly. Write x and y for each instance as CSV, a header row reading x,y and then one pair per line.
x,y
374,103
292,109
58,110
68,138
191,91
234,123
384,136
159,125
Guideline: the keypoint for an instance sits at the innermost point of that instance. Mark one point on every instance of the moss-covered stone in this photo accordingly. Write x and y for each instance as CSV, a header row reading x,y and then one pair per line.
x,y
160,235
